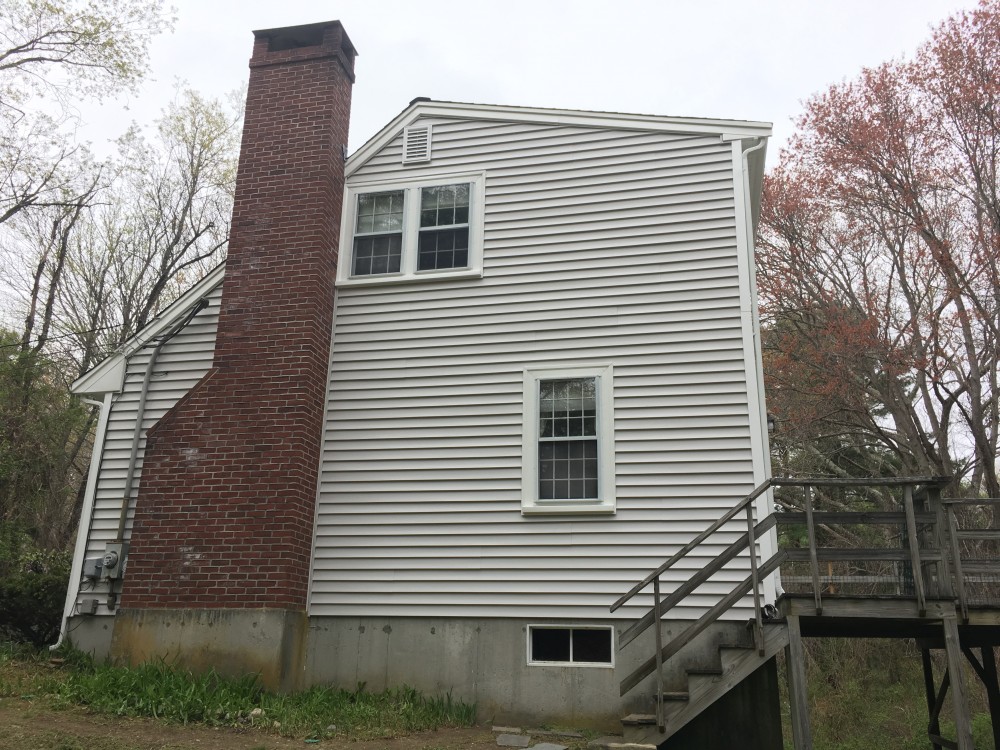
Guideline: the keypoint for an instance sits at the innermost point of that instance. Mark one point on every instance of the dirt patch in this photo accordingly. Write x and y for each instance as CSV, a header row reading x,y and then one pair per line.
x,y
30,725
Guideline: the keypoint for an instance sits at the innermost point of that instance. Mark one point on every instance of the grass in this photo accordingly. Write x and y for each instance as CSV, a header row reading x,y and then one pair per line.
x,y
162,691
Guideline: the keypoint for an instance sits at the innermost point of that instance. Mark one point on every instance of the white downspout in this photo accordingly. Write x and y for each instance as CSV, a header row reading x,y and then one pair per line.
x,y
753,367
86,513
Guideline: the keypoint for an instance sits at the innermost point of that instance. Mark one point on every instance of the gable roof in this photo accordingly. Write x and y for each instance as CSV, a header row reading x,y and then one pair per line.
x,y
109,375
426,108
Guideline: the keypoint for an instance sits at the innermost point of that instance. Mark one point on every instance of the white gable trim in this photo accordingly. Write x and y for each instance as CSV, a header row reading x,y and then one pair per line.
x,y
728,129
109,375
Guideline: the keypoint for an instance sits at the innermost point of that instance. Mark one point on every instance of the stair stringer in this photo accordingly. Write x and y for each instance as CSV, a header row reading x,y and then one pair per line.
x,y
703,689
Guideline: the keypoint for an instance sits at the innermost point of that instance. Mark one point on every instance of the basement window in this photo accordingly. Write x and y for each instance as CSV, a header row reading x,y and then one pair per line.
x,y
417,231
583,646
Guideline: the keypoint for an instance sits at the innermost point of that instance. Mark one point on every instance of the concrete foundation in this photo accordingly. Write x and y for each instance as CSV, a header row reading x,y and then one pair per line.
x,y
269,642
92,635
476,660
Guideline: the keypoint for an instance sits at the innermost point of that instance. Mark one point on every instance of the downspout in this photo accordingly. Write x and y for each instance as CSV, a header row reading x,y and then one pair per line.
x,y
137,434
766,500
86,516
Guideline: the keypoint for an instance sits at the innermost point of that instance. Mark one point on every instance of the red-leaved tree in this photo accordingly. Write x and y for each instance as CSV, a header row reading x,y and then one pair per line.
x,y
879,263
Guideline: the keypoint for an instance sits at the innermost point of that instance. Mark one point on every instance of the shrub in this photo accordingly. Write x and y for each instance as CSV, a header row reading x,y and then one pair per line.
x,y
32,589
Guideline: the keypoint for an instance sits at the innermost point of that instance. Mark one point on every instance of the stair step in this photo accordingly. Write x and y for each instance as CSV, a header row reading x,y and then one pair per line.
x,y
675,696
639,720
616,742
707,671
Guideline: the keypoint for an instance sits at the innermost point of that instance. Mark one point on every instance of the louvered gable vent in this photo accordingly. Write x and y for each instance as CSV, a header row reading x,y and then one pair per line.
x,y
416,144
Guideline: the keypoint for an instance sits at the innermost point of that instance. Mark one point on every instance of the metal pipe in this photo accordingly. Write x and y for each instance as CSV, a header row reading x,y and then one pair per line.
x,y
141,408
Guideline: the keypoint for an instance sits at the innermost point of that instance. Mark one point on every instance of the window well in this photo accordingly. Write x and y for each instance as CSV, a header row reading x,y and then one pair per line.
x,y
568,645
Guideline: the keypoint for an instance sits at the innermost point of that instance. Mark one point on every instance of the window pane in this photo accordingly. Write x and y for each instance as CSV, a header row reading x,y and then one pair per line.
x,y
592,646
571,407
380,212
443,248
444,205
377,255
550,644
567,469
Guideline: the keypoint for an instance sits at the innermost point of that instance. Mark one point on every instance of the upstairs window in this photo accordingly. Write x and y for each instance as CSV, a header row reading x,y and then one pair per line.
x,y
568,441
378,235
444,227
430,228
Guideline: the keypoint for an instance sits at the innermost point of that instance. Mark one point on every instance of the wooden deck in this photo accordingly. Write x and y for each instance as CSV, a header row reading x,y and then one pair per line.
x,y
861,558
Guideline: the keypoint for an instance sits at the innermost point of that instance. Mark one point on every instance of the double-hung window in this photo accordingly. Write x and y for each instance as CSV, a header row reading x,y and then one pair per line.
x,y
423,229
378,234
568,435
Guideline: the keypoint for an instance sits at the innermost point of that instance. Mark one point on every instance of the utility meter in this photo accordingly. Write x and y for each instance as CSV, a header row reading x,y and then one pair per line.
x,y
111,566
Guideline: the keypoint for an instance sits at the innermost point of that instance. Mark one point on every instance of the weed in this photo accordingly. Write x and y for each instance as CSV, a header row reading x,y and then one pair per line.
x,y
163,691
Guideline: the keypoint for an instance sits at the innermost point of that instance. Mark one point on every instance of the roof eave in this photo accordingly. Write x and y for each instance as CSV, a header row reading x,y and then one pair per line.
x,y
109,375
726,129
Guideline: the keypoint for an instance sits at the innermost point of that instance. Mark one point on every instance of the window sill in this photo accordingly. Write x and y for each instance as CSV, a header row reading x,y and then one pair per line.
x,y
420,276
597,509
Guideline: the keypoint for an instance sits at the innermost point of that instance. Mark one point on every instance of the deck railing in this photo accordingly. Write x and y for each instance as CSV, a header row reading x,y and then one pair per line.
x,y
929,560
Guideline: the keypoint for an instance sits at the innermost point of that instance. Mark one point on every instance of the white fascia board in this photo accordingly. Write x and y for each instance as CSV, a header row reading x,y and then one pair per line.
x,y
725,129
109,375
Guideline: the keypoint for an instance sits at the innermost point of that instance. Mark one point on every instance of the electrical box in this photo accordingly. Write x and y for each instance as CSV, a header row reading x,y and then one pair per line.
x,y
114,560
92,568
88,606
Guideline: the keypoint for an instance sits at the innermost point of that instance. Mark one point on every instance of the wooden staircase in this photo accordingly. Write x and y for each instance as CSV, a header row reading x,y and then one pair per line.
x,y
708,682
705,685
928,601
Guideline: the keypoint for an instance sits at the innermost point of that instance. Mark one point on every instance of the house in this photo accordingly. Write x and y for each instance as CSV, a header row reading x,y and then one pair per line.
x,y
444,403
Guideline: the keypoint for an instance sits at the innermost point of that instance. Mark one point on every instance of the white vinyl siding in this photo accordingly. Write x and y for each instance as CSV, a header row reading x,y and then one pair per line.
x,y
182,362
601,246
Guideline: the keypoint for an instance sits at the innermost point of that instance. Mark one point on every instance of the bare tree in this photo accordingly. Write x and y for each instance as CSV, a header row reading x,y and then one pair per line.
x,y
879,264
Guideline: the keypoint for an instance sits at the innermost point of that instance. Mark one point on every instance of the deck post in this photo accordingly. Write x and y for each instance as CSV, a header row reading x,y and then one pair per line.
x,y
992,690
914,545
959,700
956,560
795,672
813,559
933,725
941,583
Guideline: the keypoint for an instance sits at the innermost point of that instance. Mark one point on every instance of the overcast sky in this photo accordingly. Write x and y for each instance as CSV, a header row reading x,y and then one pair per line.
x,y
734,59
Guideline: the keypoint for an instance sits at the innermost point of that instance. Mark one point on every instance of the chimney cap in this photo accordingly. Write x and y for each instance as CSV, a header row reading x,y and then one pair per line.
x,y
305,35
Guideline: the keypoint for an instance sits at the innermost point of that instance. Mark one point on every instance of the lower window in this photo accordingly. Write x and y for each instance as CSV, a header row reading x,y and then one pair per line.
x,y
582,646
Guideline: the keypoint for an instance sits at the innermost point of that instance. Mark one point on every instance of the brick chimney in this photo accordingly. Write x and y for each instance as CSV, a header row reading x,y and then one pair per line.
x,y
225,512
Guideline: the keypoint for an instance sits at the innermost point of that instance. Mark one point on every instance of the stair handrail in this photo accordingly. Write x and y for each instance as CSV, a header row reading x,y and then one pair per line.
x,y
694,543
942,520
660,607
953,533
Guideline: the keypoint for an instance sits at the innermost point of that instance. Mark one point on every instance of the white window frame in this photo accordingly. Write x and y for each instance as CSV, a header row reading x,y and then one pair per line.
x,y
531,504
554,626
411,228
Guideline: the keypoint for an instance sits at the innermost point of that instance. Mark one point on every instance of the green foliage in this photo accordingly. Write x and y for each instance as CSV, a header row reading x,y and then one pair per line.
x,y
165,692
44,435
99,48
870,694
32,589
